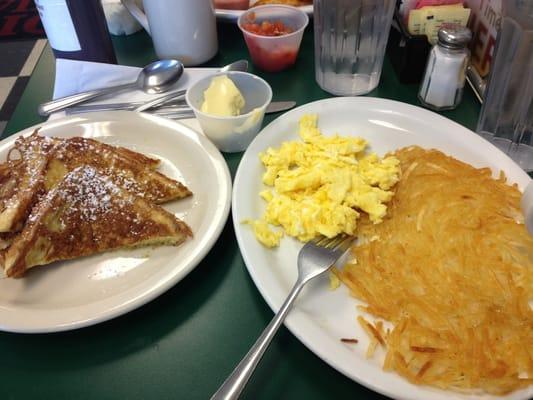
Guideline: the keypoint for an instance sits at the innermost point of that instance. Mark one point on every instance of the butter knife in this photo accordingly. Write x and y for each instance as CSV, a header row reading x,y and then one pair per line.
x,y
131,105
273,107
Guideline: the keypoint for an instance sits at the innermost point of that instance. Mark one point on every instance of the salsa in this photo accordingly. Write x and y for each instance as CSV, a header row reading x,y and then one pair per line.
x,y
271,45
267,28
271,59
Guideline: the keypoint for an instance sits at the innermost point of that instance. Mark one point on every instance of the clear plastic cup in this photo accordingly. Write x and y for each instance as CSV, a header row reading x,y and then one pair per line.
x,y
232,134
274,53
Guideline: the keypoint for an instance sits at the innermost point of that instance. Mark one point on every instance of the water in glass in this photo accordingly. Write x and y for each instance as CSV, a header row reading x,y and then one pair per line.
x,y
350,41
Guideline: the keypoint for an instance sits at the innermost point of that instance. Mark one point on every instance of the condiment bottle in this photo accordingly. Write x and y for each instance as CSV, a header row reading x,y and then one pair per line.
x,y
77,29
444,77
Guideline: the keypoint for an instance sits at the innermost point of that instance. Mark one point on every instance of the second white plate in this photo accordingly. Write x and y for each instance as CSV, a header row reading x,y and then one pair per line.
x,y
321,316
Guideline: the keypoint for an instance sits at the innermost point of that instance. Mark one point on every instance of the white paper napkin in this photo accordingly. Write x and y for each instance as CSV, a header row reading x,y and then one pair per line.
x,y
78,76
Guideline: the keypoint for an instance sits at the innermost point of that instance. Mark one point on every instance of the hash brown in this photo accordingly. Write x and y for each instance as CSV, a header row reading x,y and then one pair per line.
x,y
451,267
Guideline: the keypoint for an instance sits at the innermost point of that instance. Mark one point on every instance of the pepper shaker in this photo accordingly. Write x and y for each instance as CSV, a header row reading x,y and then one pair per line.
x,y
444,76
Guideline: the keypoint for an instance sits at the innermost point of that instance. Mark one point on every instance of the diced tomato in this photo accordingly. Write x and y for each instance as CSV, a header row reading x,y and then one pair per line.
x,y
271,59
267,28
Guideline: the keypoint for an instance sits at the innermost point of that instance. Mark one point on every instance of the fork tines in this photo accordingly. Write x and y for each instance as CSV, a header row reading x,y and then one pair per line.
x,y
340,242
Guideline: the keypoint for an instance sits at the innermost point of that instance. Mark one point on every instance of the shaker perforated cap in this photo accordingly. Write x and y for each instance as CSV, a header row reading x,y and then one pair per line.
x,y
454,36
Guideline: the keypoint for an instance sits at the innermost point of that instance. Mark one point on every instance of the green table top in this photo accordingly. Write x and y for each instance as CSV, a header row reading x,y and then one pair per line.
x,y
186,342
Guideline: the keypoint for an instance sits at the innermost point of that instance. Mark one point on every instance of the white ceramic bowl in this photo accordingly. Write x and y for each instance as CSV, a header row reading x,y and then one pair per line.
x,y
232,134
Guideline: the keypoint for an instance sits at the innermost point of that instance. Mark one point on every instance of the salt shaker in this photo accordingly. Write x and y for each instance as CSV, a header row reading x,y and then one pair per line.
x,y
444,77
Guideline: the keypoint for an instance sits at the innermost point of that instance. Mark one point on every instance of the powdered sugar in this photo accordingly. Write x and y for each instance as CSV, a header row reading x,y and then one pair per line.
x,y
91,194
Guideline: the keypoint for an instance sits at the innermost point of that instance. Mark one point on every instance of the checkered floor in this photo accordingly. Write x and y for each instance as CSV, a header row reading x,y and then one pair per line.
x,y
16,65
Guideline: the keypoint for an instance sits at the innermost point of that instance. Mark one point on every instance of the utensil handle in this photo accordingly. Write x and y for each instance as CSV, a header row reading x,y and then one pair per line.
x,y
235,383
175,115
161,100
101,107
52,106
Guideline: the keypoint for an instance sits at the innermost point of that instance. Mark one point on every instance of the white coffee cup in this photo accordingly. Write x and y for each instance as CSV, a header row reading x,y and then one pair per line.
x,y
180,29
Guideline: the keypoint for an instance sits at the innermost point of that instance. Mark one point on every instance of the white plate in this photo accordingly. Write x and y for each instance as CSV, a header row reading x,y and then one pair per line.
x,y
233,15
321,316
72,294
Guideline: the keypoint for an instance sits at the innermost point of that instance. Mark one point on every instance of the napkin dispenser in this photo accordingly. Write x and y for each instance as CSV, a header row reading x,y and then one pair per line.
x,y
407,53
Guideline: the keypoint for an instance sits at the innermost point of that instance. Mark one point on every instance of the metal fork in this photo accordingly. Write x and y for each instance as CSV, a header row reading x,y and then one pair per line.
x,y
315,258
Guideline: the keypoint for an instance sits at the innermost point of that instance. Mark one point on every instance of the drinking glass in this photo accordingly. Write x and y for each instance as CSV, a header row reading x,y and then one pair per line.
x,y
350,41
506,117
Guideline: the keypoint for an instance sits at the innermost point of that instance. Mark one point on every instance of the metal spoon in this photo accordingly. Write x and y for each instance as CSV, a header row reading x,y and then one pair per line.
x,y
156,77
240,65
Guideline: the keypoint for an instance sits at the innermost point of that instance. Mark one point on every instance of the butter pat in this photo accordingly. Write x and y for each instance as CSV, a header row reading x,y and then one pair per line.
x,y
222,98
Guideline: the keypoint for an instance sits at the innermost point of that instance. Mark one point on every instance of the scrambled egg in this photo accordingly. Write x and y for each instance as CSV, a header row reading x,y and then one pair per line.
x,y
320,185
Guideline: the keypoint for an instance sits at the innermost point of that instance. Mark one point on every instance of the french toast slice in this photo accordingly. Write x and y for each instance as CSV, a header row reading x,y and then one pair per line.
x,y
133,156
87,213
132,170
134,176
21,183
25,143
44,161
